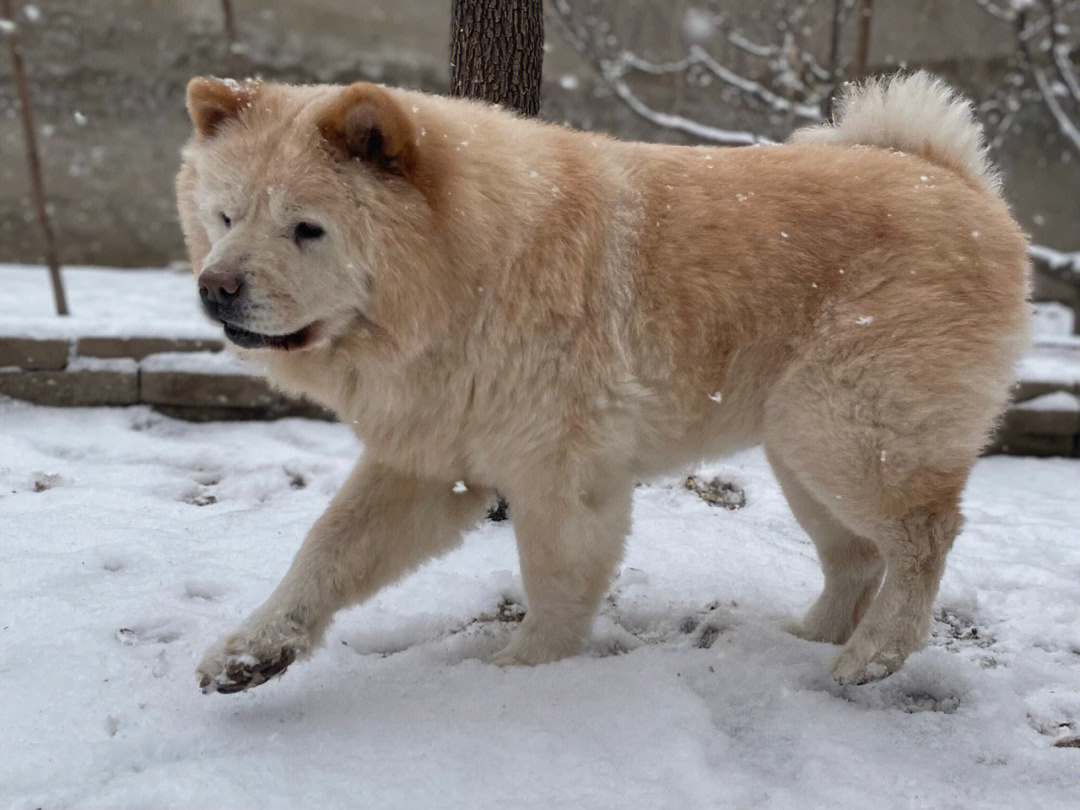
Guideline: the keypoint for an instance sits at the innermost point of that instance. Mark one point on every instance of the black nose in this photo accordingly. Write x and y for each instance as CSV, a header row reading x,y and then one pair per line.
x,y
220,285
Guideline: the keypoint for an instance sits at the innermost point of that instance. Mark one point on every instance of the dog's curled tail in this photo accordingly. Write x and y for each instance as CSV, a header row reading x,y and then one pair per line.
x,y
915,113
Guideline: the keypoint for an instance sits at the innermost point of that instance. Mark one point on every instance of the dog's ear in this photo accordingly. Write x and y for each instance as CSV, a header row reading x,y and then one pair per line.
x,y
212,102
367,123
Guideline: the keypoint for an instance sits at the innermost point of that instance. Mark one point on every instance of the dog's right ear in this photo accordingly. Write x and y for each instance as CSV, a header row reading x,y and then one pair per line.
x,y
365,122
212,102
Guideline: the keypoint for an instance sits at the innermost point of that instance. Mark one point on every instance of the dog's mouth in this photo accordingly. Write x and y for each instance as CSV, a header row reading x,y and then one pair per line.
x,y
294,341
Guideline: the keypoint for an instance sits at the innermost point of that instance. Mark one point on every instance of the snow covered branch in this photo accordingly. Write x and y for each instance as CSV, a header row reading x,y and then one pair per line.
x,y
1062,266
680,123
1065,124
1046,50
791,67
993,9
700,58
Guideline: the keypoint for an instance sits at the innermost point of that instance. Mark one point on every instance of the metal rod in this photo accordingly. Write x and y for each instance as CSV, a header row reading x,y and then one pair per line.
x,y
834,41
33,164
862,43
230,38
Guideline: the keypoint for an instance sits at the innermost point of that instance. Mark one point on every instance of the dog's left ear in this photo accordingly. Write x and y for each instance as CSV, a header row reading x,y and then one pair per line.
x,y
365,122
212,102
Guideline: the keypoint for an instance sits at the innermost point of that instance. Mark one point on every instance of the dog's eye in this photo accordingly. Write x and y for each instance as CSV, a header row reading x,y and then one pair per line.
x,y
225,219
307,230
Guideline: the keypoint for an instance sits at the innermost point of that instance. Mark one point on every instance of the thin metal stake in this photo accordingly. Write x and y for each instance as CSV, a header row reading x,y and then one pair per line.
x,y
230,38
34,165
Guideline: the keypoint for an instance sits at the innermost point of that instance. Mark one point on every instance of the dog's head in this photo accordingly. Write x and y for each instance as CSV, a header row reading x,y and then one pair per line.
x,y
309,212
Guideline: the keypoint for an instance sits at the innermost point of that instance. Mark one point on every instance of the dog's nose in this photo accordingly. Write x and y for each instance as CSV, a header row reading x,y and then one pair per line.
x,y
220,284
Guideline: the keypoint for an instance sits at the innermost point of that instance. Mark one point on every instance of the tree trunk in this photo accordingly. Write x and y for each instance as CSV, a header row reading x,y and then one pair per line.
x,y
497,55
497,52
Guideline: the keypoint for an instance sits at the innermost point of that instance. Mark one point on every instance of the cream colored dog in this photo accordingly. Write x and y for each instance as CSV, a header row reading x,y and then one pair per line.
x,y
556,314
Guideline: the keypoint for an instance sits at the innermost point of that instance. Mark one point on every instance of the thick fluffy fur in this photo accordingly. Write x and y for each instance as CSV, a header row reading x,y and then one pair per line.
x,y
555,314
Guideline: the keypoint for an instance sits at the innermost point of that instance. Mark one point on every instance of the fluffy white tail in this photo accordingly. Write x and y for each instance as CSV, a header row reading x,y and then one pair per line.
x,y
912,113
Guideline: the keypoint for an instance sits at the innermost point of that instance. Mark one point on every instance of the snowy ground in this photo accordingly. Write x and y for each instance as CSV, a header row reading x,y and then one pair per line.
x,y
130,541
104,302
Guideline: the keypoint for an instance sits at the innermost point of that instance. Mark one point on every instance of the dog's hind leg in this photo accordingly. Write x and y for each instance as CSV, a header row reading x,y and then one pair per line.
x,y
379,526
852,565
911,527
569,547
885,455
899,618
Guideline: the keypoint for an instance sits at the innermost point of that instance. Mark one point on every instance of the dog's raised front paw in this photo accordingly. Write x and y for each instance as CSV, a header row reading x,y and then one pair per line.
x,y
246,660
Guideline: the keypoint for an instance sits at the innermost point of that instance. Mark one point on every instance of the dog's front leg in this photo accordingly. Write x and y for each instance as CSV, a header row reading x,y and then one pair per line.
x,y
569,548
380,525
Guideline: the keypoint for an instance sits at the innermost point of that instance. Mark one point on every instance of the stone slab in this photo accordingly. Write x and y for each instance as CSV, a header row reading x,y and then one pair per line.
x,y
114,384
47,354
1032,444
1054,414
139,347
192,389
283,408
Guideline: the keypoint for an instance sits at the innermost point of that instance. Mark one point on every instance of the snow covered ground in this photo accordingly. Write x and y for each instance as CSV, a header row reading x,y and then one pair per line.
x,y
130,541
104,302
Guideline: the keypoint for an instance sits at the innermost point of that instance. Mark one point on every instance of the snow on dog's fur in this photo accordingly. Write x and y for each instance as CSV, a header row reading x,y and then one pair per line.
x,y
555,314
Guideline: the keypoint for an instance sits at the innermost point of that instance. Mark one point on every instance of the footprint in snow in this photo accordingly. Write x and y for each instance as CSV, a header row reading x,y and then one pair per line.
x,y
297,480
198,497
42,481
153,634
204,589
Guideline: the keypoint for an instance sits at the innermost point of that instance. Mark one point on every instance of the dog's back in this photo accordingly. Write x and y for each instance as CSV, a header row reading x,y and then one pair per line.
x,y
749,259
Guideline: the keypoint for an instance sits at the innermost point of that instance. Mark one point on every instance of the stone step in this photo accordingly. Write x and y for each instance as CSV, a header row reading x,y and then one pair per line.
x,y
192,379
187,381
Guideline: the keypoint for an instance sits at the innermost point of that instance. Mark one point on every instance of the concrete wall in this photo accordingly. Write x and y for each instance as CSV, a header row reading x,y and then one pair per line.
x,y
108,79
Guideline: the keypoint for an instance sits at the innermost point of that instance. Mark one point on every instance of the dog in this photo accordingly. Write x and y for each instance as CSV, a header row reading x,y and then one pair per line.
x,y
495,303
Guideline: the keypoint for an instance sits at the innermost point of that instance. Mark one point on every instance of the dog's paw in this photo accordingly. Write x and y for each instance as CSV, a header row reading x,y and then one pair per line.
x,y
532,645
798,628
245,660
855,667
812,629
